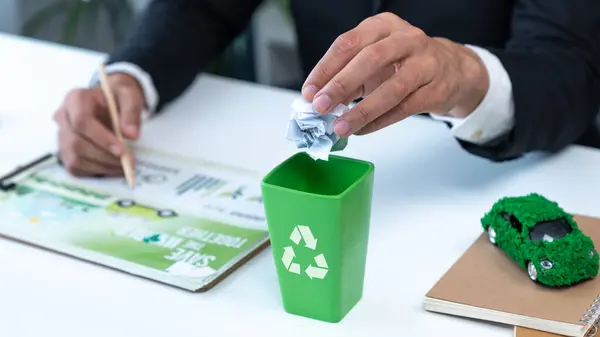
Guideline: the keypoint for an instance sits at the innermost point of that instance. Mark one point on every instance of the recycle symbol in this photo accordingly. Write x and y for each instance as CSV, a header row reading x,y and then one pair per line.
x,y
298,234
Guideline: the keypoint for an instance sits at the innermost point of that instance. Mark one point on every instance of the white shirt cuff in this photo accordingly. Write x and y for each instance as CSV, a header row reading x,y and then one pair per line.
x,y
494,116
145,81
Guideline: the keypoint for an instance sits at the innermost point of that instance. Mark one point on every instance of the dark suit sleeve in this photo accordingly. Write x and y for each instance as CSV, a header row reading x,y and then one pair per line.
x,y
174,40
553,61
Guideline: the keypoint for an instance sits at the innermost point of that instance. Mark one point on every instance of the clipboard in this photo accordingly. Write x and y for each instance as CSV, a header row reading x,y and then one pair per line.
x,y
189,224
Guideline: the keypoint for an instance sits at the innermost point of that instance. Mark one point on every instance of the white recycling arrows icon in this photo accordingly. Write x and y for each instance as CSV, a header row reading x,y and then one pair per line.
x,y
288,256
320,271
313,272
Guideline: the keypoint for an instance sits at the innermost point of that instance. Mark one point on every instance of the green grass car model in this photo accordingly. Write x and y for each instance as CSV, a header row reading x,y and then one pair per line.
x,y
542,238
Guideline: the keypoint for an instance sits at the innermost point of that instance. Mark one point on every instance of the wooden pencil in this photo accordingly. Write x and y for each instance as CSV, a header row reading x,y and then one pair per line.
x,y
114,115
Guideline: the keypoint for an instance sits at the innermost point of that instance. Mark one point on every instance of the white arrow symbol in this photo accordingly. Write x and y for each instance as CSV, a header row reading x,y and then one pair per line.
x,y
320,260
296,237
314,272
288,256
309,239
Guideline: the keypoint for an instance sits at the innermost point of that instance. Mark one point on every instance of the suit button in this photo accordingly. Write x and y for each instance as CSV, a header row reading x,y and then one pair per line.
x,y
477,135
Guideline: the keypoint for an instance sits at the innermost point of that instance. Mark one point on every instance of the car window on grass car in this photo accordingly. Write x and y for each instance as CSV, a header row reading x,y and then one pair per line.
x,y
550,230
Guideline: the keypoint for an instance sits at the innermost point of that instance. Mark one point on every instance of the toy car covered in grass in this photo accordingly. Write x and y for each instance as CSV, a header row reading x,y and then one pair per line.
x,y
542,238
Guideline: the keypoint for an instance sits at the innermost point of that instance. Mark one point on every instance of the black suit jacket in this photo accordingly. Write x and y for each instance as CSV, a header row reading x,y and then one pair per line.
x,y
550,49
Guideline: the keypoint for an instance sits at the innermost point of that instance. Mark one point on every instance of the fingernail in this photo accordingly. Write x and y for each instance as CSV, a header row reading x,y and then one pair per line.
x,y
341,127
309,91
322,103
114,149
131,130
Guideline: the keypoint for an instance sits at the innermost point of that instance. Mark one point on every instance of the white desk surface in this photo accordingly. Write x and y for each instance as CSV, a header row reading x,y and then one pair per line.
x,y
425,185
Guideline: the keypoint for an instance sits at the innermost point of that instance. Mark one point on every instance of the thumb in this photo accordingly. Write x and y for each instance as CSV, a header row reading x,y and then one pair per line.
x,y
130,108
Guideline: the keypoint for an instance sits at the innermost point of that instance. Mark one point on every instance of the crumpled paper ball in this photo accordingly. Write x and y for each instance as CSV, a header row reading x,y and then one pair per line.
x,y
313,131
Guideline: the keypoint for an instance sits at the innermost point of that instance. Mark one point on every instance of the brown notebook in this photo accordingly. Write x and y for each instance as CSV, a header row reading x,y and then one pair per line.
x,y
486,284
526,332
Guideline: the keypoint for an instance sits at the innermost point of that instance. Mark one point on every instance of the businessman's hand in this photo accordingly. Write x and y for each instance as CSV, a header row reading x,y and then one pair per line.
x,y
88,146
399,71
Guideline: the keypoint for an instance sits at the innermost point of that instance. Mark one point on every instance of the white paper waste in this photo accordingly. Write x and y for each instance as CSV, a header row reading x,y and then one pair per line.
x,y
313,131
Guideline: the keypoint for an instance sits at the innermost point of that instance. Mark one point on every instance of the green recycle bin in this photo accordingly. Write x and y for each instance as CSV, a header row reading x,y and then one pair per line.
x,y
318,215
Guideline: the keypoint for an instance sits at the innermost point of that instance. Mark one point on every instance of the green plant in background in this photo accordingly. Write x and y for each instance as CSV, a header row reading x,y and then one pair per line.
x,y
286,7
82,14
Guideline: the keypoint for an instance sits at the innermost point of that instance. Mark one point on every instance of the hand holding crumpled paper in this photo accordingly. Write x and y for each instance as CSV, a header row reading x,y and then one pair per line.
x,y
314,131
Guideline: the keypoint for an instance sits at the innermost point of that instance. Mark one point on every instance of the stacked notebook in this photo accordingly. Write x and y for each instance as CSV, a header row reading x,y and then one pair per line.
x,y
486,284
526,332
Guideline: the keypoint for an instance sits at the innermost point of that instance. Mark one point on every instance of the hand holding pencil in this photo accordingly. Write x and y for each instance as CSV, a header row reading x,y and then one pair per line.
x,y
92,140
126,161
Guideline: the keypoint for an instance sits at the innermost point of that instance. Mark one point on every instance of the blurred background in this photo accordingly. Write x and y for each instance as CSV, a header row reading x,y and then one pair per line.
x,y
265,53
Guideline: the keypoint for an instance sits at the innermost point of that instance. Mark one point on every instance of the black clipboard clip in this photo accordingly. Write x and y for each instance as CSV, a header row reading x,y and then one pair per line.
x,y
5,181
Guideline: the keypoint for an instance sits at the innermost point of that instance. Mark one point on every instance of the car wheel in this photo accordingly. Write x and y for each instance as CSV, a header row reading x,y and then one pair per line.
x,y
533,275
491,235
126,203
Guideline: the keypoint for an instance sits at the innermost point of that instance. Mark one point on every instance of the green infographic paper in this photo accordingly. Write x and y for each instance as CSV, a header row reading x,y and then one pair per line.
x,y
185,223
